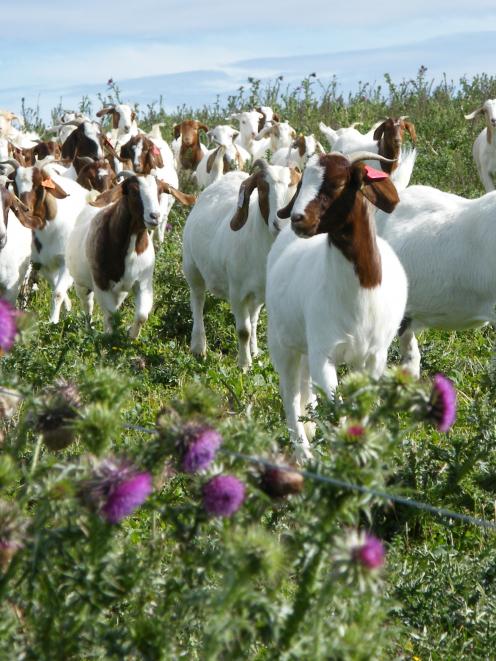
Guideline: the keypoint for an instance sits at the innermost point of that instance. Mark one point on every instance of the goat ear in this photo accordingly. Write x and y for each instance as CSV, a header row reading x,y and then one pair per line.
x,y
177,131
52,187
181,197
379,131
115,119
473,115
203,127
245,190
285,212
133,115
276,117
379,190
107,197
295,176
411,130
70,145
31,222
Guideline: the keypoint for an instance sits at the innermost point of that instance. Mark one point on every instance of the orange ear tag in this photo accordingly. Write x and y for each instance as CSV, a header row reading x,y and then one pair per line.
x,y
375,175
48,183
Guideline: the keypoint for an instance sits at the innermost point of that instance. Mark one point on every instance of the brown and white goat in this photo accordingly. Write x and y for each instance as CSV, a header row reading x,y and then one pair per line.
x,y
336,293
187,148
109,251
389,135
53,204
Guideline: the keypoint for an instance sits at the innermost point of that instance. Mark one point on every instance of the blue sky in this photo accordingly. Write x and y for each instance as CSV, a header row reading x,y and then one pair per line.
x,y
50,50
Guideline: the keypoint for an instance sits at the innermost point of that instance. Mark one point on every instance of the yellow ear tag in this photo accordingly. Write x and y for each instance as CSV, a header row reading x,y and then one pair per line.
x,y
48,183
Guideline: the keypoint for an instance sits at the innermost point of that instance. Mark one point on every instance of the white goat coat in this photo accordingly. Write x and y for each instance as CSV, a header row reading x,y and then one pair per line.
x,y
316,304
447,246
231,265
484,154
15,257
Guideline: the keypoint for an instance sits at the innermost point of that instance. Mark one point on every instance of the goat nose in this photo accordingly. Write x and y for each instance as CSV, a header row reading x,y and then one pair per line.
x,y
154,215
297,217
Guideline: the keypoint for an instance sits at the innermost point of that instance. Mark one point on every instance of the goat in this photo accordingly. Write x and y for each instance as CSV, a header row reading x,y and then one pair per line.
x,y
53,203
484,149
268,117
335,292
109,251
146,156
187,148
446,244
15,244
281,135
95,175
231,264
40,151
218,162
297,155
384,138
333,135
248,131
124,125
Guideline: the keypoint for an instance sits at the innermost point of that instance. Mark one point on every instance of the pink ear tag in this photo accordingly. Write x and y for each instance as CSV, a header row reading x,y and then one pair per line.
x,y
155,151
375,175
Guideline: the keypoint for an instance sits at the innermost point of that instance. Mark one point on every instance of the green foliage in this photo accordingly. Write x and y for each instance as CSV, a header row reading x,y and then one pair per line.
x,y
278,579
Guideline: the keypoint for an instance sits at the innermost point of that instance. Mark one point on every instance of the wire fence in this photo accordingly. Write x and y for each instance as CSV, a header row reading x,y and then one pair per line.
x,y
440,512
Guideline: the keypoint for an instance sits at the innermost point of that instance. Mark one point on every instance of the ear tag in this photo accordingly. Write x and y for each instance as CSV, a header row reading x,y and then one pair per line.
x,y
155,150
241,198
48,183
375,175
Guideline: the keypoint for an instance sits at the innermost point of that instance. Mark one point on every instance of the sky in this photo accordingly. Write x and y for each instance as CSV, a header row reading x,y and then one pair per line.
x,y
49,50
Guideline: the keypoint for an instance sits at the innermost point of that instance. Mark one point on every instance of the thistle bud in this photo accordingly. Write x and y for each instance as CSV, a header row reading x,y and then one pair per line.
x,y
280,482
60,407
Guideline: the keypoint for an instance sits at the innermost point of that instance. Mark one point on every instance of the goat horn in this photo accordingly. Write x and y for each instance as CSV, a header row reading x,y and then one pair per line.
x,y
12,161
357,156
73,122
404,116
24,207
86,159
126,174
105,110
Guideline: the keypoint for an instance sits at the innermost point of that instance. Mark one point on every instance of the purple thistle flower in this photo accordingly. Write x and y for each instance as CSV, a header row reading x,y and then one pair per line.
x,y
201,451
371,553
115,489
356,431
127,496
442,403
8,326
223,495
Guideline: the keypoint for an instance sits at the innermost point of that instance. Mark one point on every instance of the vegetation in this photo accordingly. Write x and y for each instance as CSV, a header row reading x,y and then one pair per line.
x,y
282,577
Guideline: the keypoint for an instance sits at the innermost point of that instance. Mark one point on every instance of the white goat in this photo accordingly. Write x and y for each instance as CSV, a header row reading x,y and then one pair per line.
x,y
248,131
53,204
337,297
446,244
15,245
226,157
484,149
333,135
231,264
280,134
297,155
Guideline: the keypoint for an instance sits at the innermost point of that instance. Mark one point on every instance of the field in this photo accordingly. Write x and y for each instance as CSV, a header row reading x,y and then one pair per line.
x,y
278,579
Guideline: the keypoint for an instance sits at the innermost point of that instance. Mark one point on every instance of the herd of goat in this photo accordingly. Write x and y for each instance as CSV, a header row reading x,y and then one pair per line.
x,y
344,254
